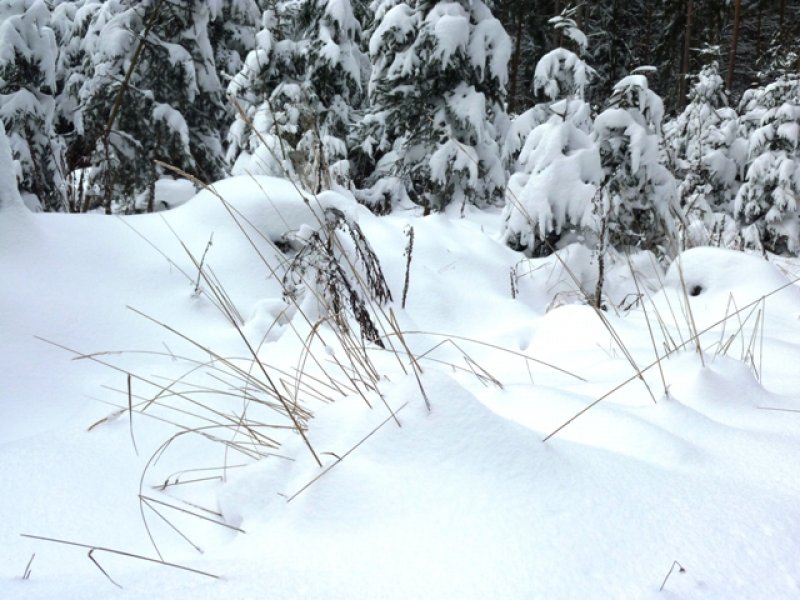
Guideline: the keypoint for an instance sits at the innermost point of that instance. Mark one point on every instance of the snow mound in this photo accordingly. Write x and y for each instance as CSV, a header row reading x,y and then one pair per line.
x,y
427,461
712,275
271,206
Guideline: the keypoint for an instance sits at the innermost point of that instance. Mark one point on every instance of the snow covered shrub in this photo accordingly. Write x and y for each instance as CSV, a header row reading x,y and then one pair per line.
x,y
28,54
767,203
436,99
297,90
558,169
706,155
344,270
637,204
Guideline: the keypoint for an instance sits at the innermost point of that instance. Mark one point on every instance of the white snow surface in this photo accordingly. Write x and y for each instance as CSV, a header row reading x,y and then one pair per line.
x,y
465,500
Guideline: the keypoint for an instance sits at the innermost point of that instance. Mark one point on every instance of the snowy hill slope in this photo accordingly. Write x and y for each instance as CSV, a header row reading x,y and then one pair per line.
x,y
465,500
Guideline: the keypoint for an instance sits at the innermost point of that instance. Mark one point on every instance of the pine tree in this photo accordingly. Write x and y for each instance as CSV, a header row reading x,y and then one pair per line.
x,y
558,171
689,36
436,101
232,31
154,94
767,205
638,198
270,104
71,22
559,74
297,90
335,69
27,108
707,155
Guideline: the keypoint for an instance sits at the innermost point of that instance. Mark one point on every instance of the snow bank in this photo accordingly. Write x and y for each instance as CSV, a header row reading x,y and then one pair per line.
x,y
464,500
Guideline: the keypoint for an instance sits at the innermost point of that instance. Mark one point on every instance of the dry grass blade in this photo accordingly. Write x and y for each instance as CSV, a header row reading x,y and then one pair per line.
x,y
27,573
274,388
480,373
791,410
102,570
120,553
145,502
130,414
671,569
649,327
151,500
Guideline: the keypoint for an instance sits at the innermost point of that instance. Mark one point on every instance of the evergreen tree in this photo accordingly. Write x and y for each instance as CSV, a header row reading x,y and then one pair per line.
x,y
782,54
27,107
232,31
297,90
690,35
637,203
767,203
71,22
706,155
559,74
268,94
558,171
153,94
436,101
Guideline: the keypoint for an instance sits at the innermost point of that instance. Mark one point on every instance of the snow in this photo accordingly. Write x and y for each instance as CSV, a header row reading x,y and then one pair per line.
x,y
465,500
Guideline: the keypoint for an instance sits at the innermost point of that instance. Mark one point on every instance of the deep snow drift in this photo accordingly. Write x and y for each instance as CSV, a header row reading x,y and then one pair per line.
x,y
465,499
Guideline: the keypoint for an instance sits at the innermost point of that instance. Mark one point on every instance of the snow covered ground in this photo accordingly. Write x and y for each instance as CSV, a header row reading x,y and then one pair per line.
x,y
465,499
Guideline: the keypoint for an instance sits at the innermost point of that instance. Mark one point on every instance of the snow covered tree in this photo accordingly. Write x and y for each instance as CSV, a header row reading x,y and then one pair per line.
x,y
27,84
335,69
706,155
268,92
153,94
637,202
297,90
559,74
436,100
558,170
767,205
232,32
71,21
551,195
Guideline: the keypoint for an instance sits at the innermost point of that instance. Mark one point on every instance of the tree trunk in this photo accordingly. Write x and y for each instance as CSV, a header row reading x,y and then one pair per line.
x,y
515,60
614,37
648,34
737,14
759,37
782,15
151,195
107,178
687,45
